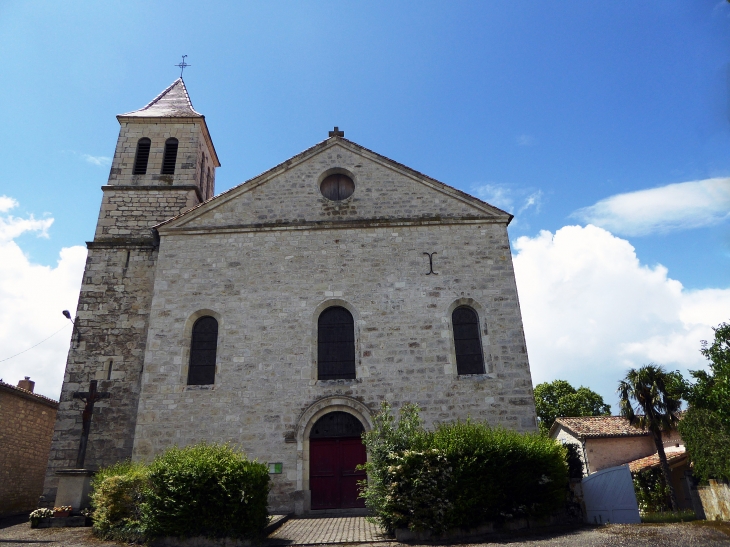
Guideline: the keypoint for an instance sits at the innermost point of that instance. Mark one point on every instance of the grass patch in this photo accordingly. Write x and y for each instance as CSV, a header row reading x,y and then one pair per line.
x,y
665,517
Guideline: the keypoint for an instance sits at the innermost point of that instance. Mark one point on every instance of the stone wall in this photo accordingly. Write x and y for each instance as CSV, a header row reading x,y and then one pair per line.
x,y
116,292
715,500
26,427
267,288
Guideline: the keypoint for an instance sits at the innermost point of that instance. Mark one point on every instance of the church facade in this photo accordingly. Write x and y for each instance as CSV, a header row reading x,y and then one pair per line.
x,y
280,314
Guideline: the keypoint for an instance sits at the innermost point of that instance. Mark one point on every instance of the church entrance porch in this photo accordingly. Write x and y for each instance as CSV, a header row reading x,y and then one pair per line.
x,y
335,451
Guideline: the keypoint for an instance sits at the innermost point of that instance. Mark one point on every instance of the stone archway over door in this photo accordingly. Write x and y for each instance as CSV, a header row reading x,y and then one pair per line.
x,y
335,451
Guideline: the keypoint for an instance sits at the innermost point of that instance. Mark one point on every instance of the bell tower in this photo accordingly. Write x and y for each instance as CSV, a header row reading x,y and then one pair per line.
x,y
164,164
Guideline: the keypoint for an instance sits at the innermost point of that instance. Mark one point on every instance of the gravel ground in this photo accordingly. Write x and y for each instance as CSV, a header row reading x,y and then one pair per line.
x,y
691,534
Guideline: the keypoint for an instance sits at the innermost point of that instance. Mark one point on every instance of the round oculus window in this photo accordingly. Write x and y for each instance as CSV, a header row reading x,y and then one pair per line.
x,y
337,187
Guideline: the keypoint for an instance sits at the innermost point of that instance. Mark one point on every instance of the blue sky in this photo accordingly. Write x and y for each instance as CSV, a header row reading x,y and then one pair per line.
x,y
552,110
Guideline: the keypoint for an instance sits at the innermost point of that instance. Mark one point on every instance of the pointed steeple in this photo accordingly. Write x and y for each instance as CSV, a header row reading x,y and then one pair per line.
x,y
173,102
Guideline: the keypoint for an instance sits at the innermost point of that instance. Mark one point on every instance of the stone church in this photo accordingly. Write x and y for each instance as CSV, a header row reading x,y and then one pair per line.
x,y
280,314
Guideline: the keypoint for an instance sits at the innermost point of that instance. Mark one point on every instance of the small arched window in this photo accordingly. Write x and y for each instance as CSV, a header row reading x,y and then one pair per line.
x,y
142,156
467,341
202,352
170,157
335,344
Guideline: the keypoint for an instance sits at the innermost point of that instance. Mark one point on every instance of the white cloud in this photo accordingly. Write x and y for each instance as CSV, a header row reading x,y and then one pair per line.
x,y
32,297
591,310
679,206
7,203
97,160
525,140
509,198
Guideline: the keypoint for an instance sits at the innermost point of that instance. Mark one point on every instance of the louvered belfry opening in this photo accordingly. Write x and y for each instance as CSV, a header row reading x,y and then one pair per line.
x,y
142,157
467,341
337,187
168,161
335,344
203,351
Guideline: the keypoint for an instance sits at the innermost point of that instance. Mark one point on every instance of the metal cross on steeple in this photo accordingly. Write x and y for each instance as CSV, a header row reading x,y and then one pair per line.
x,y
182,65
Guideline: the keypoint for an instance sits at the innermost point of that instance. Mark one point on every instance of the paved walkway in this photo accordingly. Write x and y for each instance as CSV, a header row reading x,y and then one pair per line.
x,y
326,530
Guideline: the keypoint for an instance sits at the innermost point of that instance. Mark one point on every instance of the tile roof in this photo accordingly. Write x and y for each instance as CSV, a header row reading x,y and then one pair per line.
x,y
598,426
173,102
28,394
653,461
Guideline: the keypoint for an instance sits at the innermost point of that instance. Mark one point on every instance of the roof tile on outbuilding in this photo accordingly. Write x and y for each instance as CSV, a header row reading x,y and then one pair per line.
x,y
653,461
598,426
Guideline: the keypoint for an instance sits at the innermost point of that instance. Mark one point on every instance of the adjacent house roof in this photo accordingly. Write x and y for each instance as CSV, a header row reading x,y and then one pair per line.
x,y
648,462
173,102
598,426
24,393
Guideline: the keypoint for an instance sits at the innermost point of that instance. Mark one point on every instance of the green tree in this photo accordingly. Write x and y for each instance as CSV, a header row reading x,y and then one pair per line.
x,y
559,398
705,427
650,398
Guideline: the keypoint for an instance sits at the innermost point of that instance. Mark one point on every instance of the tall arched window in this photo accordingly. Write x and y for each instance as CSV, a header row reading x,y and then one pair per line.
x,y
467,341
335,344
142,156
170,157
202,352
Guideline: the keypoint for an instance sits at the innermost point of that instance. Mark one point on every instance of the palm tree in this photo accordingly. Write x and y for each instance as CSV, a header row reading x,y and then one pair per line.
x,y
656,408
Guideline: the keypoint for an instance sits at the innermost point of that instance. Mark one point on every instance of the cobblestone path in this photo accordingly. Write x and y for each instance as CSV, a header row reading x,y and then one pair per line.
x,y
326,530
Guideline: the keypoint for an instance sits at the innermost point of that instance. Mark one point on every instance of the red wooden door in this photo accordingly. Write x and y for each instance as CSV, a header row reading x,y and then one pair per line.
x,y
332,475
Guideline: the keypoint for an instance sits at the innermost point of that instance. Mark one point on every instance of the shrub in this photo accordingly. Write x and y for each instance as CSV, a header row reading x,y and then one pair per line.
x,y
416,499
707,438
206,490
117,498
499,473
652,492
460,475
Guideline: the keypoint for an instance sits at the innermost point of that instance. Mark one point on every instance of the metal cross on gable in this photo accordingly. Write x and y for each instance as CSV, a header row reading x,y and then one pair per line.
x,y
89,398
183,65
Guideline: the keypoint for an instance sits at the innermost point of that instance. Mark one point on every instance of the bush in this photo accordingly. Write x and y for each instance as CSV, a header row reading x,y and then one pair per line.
x,y
117,499
460,475
652,492
201,490
206,490
499,474
708,442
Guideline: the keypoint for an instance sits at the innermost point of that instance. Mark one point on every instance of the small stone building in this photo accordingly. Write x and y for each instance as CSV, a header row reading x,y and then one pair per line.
x,y
280,314
26,428
608,441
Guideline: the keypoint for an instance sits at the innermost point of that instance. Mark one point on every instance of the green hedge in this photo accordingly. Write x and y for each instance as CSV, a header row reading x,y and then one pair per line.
x,y
460,475
707,438
202,490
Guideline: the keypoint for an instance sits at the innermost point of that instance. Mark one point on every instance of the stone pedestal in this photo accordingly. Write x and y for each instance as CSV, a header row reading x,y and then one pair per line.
x,y
74,486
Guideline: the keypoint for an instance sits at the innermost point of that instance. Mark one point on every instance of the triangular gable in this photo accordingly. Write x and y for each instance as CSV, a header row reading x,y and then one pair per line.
x,y
288,195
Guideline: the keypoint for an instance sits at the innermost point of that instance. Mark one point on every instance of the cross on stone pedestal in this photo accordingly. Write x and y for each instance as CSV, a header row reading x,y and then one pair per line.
x,y
337,132
89,397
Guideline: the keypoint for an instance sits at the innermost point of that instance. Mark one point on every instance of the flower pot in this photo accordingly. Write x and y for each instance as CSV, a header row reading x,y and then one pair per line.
x,y
61,514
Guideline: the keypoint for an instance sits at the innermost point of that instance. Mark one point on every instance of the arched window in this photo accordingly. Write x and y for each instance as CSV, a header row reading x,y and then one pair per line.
x,y
202,172
209,185
467,341
202,352
170,157
335,344
142,156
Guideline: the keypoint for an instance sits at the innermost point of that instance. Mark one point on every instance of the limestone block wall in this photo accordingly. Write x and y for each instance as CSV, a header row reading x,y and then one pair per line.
x,y
26,427
290,194
267,288
111,320
130,211
192,145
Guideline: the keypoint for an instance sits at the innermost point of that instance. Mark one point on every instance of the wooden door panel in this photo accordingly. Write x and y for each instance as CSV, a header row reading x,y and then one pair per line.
x,y
333,476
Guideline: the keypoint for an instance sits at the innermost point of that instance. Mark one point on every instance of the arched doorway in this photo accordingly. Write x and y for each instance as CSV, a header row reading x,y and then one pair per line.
x,y
335,450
